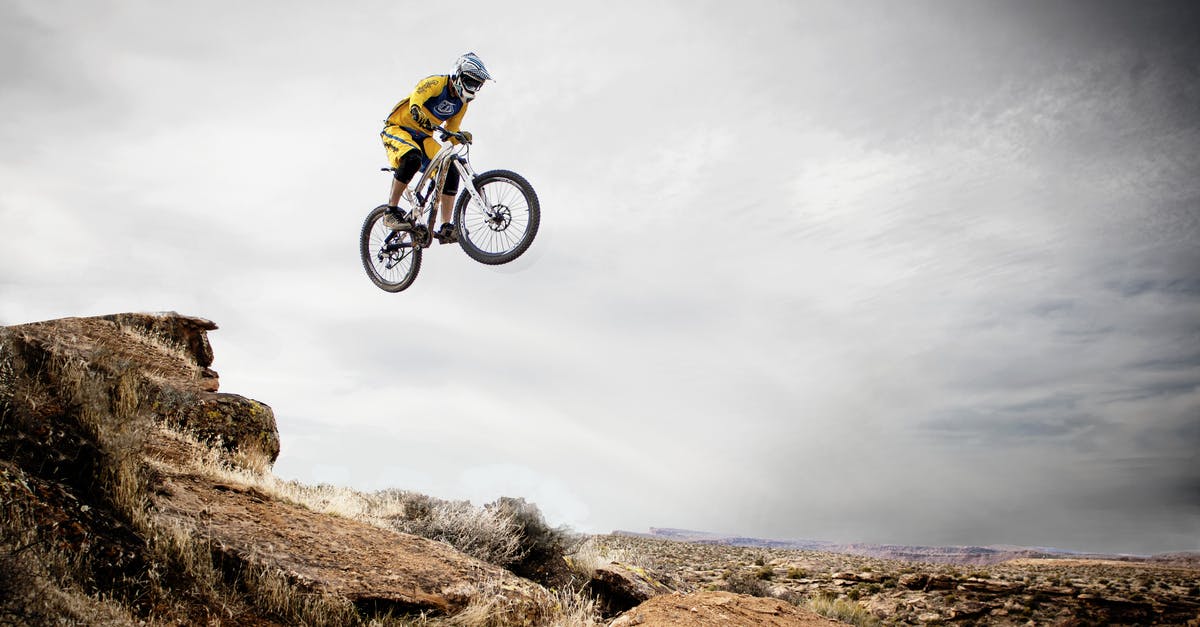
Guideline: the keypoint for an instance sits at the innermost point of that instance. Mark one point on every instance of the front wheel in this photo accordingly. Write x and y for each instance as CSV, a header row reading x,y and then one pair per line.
x,y
388,256
504,227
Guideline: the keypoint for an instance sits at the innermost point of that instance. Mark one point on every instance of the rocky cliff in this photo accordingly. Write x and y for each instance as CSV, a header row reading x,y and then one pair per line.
x,y
119,465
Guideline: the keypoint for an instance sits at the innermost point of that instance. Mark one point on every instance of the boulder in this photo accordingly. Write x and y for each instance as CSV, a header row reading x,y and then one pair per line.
x,y
859,577
619,587
940,582
969,611
236,422
989,586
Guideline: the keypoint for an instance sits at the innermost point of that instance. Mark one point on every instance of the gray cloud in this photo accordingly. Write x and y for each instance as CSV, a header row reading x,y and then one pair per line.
x,y
916,273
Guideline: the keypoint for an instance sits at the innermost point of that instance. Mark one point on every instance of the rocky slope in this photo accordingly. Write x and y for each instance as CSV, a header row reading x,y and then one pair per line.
x,y
1066,591
106,426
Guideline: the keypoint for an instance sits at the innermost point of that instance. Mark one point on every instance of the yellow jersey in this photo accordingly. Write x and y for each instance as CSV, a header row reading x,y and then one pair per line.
x,y
432,102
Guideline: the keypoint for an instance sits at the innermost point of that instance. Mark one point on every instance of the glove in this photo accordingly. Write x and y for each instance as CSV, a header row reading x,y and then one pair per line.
x,y
466,136
420,117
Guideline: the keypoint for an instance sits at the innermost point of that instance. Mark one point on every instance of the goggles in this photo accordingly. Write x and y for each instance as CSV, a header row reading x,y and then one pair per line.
x,y
469,82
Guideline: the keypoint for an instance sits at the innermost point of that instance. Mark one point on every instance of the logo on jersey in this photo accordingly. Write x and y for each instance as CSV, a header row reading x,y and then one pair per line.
x,y
445,109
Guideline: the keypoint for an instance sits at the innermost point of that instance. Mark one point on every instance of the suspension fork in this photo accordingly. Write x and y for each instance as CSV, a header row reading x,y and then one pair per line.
x,y
466,176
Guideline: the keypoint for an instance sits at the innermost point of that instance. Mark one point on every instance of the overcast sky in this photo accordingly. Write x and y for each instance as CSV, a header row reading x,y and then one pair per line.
x,y
905,272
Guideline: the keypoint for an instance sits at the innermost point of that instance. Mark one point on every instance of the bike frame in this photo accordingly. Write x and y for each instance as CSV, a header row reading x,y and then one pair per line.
x,y
433,179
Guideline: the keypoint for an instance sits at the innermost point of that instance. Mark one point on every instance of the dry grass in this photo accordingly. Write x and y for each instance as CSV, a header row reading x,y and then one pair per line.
x,y
38,584
159,342
565,609
486,534
593,553
271,590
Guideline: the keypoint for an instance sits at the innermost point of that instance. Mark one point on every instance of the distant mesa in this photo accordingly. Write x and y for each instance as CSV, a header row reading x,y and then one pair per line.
x,y
978,555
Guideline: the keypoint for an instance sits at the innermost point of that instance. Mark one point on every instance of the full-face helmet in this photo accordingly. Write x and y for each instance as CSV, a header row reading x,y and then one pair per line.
x,y
469,75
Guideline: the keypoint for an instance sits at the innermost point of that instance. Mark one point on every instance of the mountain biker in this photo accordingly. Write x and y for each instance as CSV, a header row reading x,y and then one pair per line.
x,y
407,135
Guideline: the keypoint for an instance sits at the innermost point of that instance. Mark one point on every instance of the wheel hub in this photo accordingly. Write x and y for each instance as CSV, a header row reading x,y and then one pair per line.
x,y
499,218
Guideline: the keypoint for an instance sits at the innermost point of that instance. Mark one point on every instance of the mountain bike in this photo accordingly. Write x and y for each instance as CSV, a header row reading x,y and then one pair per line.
x,y
496,217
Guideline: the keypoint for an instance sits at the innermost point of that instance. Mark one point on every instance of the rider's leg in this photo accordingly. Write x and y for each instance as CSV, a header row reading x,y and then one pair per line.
x,y
447,207
406,166
398,188
449,191
446,234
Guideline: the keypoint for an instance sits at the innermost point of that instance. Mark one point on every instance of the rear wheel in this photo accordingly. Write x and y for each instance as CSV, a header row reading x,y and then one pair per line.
x,y
502,229
388,256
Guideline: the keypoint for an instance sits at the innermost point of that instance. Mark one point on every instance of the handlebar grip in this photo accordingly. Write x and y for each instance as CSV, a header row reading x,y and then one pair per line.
x,y
447,134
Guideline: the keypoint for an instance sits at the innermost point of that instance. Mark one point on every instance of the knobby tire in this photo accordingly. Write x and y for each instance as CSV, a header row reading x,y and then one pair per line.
x,y
493,240
370,243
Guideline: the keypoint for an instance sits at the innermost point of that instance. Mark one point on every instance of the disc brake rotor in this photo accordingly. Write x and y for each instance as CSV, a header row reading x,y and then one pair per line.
x,y
499,218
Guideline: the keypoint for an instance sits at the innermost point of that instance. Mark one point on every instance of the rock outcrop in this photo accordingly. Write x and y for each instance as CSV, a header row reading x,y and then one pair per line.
x,y
619,587
103,422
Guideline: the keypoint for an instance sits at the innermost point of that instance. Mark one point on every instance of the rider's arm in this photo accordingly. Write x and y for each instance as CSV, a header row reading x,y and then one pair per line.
x,y
420,115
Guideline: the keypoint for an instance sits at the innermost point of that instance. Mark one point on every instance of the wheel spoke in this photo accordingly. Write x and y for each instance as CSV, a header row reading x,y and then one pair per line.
x,y
506,199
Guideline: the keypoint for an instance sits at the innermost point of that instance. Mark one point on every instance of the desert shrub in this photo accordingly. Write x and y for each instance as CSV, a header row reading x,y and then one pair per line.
x,y
741,583
541,548
794,597
764,572
482,533
839,609
796,573
760,561
591,554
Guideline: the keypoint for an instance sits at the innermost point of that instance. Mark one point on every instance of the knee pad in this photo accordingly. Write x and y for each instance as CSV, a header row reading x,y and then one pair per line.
x,y
409,164
451,186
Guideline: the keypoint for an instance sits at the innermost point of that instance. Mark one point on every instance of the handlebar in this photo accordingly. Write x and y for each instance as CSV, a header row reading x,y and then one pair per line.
x,y
447,135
